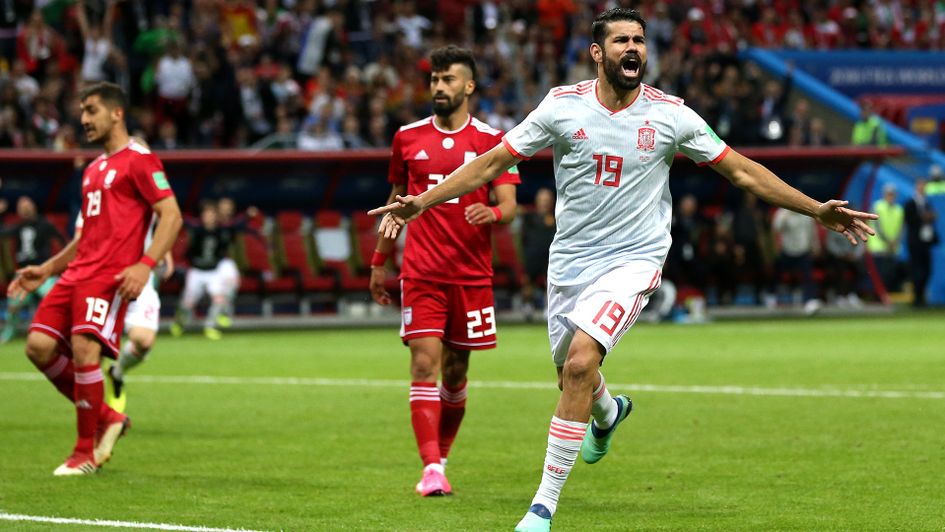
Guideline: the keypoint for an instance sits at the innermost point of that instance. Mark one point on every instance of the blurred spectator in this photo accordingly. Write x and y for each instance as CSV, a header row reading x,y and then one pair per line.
x,y
10,136
257,104
411,24
921,238
684,265
936,184
44,123
319,137
751,234
537,232
350,134
26,86
817,135
97,42
799,245
167,137
174,78
869,129
721,277
355,51
844,270
38,45
884,246
774,121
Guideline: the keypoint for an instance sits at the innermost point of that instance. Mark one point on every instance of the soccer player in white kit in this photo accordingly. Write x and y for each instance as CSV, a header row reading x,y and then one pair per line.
x,y
614,140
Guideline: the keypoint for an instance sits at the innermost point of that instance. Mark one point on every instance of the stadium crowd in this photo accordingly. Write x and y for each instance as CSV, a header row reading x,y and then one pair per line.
x,y
345,74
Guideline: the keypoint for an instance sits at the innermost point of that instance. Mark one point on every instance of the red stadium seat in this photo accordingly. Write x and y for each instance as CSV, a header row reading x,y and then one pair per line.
x,y
333,250
365,237
294,253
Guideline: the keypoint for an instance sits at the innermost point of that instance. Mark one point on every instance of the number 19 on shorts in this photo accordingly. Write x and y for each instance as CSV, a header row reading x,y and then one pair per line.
x,y
96,310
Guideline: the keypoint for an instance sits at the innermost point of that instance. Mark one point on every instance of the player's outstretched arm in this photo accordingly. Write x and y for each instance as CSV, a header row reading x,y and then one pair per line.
x,y
463,180
30,278
834,214
134,277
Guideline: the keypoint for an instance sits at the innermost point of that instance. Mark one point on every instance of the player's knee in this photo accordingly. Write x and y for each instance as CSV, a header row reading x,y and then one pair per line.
x,y
424,366
580,368
455,374
142,342
85,350
455,368
40,349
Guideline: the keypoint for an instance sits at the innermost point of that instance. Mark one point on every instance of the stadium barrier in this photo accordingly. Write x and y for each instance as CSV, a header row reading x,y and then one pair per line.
x,y
312,241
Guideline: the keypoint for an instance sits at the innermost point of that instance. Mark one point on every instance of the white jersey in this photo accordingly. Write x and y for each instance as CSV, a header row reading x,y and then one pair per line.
x,y
612,174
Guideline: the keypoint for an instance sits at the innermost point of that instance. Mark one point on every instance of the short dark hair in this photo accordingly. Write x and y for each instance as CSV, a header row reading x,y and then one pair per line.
x,y
112,95
599,27
442,58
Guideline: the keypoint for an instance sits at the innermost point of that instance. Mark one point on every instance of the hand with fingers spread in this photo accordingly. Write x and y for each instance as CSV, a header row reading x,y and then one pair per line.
x,y
27,280
132,279
835,215
390,226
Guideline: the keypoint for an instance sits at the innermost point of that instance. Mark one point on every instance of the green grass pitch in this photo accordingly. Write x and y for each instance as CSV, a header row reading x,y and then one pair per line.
x,y
752,425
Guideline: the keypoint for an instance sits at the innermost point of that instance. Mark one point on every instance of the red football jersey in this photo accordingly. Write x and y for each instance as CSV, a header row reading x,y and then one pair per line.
x,y
117,194
441,245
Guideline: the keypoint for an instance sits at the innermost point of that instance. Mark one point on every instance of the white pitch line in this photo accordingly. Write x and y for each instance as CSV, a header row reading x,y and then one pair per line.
x,y
520,385
115,524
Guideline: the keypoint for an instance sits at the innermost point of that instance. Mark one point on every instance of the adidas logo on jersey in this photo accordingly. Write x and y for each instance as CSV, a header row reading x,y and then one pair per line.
x,y
422,156
579,135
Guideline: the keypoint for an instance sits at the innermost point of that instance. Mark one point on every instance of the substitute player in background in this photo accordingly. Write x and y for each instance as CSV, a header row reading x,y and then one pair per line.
x,y
208,247
446,279
614,140
33,236
82,317
232,223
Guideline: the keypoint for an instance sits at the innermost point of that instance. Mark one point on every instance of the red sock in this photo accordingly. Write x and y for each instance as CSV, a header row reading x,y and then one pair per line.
x,y
61,373
425,417
453,401
89,395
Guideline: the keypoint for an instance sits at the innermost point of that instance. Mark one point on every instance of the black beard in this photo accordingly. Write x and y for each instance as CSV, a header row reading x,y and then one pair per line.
x,y
616,78
447,108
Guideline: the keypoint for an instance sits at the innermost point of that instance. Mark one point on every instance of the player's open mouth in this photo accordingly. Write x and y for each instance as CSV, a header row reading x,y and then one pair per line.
x,y
630,66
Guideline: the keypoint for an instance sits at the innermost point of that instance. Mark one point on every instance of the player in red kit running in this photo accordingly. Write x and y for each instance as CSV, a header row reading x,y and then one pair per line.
x,y
104,269
446,279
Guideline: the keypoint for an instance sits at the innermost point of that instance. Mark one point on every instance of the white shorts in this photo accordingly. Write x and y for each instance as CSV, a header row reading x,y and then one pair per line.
x,y
198,282
145,311
604,308
230,274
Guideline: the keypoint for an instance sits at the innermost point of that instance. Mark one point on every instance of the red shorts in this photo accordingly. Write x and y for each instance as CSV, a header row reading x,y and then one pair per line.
x,y
91,307
463,317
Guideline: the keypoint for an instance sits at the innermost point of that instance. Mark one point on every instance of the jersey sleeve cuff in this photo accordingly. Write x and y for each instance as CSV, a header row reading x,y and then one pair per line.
x,y
718,158
512,150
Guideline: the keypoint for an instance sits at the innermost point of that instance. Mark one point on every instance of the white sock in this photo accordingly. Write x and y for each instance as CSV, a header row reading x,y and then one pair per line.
x,y
215,310
604,409
439,468
127,359
564,443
